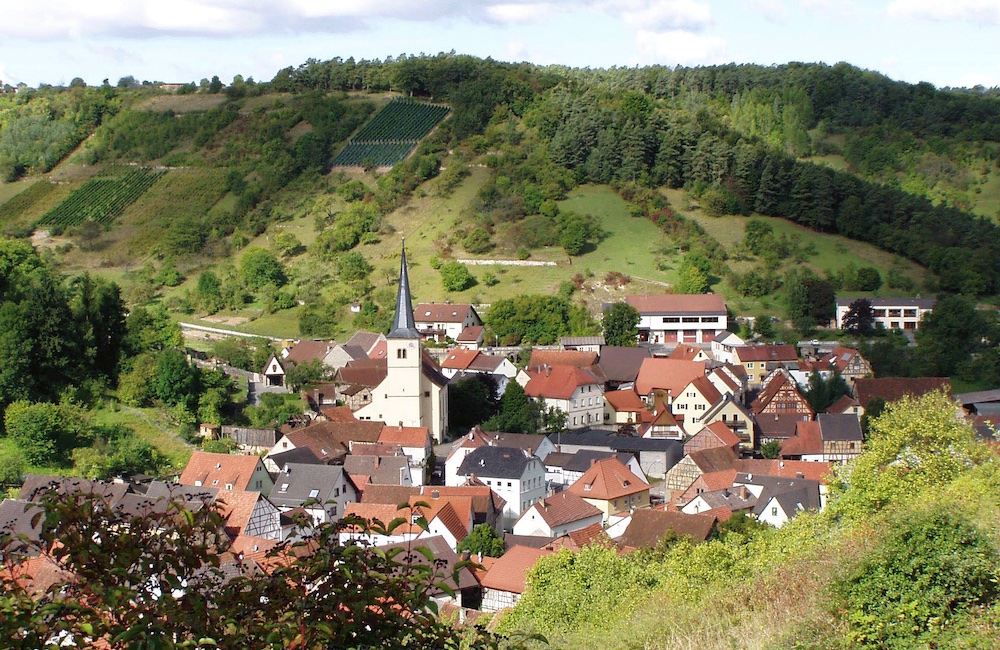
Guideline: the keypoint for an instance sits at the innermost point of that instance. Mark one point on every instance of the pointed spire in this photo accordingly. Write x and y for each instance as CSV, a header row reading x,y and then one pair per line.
x,y
403,325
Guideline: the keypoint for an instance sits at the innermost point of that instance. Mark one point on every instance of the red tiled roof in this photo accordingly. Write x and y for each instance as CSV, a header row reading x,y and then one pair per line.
x,y
219,470
339,414
722,433
816,471
364,372
625,401
606,480
766,353
592,534
805,441
563,508
576,358
471,334
451,520
685,352
843,404
328,440
714,459
557,382
667,374
237,507
307,350
893,388
707,389
459,359
508,572
379,351
440,312
647,527
404,436
678,303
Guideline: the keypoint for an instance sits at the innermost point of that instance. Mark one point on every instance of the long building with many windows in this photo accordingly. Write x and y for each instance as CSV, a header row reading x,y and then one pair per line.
x,y
892,313
680,318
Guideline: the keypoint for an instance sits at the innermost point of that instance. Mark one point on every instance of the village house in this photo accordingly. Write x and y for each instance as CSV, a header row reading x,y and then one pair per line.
x,y
679,318
226,472
759,360
504,582
563,469
780,396
647,527
730,412
576,392
557,515
891,313
620,365
487,505
849,364
582,343
711,436
322,490
415,442
612,488
724,345
441,321
517,476
840,437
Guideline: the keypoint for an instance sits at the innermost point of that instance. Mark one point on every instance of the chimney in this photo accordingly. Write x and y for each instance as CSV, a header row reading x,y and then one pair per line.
x,y
781,464
466,555
436,494
548,370
799,475
750,477
400,425
482,462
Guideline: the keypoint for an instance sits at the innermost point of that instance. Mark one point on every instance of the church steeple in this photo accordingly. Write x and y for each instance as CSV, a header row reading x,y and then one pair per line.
x,y
403,325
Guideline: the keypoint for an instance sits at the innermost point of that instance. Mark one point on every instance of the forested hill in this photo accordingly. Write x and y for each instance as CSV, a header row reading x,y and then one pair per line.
x,y
909,168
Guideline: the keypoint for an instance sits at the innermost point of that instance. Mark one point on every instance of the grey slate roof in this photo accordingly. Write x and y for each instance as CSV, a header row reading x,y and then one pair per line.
x,y
403,324
35,486
922,303
792,493
381,470
583,459
298,455
621,364
15,518
499,462
297,481
839,426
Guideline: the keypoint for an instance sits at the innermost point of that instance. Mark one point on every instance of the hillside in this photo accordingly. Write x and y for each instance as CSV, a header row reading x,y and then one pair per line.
x,y
529,162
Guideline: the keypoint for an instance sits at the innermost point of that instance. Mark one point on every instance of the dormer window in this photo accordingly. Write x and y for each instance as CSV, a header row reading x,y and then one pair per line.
x,y
283,488
587,487
215,482
229,486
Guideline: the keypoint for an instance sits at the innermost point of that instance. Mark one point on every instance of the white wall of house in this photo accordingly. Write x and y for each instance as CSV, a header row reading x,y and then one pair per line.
x,y
680,328
531,523
585,407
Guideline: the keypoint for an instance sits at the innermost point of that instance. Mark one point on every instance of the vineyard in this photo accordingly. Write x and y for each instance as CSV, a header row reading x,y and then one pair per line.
x,y
21,202
103,198
391,135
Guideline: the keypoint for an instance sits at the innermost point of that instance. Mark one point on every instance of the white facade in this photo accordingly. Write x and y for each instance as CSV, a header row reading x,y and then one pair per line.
x,y
892,313
440,321
532,523
680,318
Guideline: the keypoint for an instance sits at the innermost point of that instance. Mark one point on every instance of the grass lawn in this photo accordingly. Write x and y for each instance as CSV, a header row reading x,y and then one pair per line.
x,y
9,190
151,425
988,200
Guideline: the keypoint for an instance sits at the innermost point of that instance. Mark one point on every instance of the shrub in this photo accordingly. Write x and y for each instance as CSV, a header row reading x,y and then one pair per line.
x,y
927,569
456,277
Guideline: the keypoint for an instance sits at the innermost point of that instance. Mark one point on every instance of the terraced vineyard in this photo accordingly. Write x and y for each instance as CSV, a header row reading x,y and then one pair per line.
x,y
391,135
103,198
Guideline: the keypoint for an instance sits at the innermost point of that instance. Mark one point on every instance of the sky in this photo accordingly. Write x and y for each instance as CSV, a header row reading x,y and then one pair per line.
x,y
945,42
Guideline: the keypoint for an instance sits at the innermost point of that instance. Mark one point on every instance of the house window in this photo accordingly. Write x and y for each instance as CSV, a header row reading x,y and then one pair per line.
x,y
427,393
333,510
336,492
774,512
689,319
909,313
401,353
259,484
229,486
750,365
313,494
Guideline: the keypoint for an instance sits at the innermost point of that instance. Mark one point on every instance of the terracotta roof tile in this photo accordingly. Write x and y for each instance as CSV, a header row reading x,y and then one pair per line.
x,y
219,470
575,358
707,303
893,388
806,440
649,526
308,350
766,353
685,352
459,359
404,436
625,401
558,382
508,572
471,334
440,312
563,508
606,480
667,374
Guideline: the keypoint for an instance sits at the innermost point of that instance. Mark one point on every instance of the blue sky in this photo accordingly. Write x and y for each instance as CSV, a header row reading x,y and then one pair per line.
x,y
945,42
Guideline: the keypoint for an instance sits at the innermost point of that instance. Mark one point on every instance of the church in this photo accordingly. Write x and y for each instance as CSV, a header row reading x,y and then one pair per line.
x,y
414,393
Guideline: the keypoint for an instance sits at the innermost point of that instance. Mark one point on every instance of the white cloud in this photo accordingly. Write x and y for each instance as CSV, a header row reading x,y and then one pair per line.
x,y
973,11
774,11
978,78
519,14
663,15
677,46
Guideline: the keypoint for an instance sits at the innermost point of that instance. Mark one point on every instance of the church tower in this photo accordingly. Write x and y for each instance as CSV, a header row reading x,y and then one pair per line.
x,y
403,358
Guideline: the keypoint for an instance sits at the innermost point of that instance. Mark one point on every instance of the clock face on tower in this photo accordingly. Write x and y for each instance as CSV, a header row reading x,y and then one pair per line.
x,y
411,344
